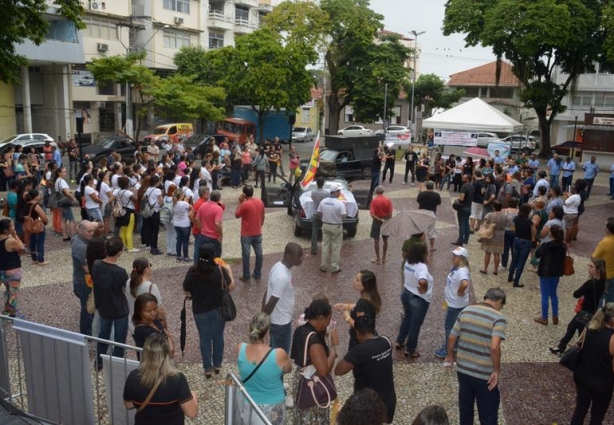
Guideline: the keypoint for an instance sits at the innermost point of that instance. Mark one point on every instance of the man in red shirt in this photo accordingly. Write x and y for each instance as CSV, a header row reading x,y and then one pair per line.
x,y
381,210
251,212
209,221
48,151
203,196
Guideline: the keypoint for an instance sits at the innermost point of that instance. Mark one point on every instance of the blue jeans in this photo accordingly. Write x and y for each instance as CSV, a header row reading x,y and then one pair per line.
x,y
248,242
183,237
201,240
415,312
547,287
471,390
608,295
508,243
210,325
374,179
235,177
94,214
520,253
554,180
451,316
82,291
37,246
281,336
463,225
120,330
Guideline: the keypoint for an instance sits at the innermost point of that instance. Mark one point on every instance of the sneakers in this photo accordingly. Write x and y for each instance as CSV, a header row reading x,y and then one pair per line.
x,y
133,250
441,353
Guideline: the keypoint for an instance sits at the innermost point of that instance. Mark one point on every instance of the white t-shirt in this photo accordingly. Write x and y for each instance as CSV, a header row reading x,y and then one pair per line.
x,y
104,193
143,288
280,286
124,197
152,198
332,210
180,214
206,176
415,273
571,204
167,185
60,185
114,178
89,202
453,282
187,192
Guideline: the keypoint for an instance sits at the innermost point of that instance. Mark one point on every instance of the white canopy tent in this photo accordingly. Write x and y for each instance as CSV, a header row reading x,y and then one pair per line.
x,y
473,115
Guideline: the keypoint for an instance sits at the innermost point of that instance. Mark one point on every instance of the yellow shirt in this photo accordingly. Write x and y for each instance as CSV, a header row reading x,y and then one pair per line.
x,y
605,251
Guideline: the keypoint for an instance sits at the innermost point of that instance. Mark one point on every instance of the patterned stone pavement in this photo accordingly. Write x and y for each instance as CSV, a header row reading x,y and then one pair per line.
x,y
535,389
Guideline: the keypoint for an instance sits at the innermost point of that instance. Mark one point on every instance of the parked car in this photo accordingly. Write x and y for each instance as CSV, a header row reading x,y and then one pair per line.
x,y
26,137
520,142
485,138
303,134
103,147
355,130
200,143
564,149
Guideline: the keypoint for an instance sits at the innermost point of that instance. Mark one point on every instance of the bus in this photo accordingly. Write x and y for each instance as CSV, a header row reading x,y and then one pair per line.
x,y
236,129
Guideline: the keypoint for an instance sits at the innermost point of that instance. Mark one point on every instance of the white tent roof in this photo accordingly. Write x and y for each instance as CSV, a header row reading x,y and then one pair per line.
x,y
473,115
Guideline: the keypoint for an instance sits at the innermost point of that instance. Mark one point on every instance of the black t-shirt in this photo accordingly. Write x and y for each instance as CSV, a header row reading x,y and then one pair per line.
x,y
479,187
362,306
372,362
428,200
390,161
298,343
411,157
206,292
109,289
523,227
377,162
467,189
164,408
142,332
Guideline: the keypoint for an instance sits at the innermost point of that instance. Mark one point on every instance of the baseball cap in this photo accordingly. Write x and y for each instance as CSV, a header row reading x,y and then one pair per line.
x,y
461,252
335,187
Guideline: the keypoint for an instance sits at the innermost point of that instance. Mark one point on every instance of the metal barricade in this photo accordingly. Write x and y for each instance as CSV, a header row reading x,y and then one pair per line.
x,y
239,407
52,374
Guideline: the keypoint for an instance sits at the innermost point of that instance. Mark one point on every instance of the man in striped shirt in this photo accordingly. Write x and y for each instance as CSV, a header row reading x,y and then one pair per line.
x,y
479,330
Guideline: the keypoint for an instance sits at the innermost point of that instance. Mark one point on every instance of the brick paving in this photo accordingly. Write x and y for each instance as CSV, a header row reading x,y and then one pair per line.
x,y
535,389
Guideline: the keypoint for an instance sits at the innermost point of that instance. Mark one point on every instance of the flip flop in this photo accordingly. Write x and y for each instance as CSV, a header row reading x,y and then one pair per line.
x,y
483,272
375,262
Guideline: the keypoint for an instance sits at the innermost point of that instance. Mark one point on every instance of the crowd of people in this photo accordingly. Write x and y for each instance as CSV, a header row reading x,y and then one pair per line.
x,y
512,205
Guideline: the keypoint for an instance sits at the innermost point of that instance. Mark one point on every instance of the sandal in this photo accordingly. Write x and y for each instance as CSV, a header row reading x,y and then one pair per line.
x,y
413,355
483,272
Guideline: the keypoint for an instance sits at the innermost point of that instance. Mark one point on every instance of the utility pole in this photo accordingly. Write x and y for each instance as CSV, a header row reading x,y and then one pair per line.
x,y
385,108
413,84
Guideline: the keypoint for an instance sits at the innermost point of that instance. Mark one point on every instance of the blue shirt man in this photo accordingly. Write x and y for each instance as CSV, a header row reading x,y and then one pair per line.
x,y
568,168
533,163
590,172
57,157
554,167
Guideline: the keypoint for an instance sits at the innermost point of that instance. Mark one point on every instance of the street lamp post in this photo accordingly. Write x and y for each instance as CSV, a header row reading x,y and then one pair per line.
x,y
385,108
413,85
573,146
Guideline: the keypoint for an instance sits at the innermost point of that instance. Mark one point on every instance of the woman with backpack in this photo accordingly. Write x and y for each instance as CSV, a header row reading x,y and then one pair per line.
x,y
166,219
150,211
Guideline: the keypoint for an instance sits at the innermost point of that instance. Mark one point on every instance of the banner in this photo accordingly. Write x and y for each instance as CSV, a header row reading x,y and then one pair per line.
x,y
312,168
456,138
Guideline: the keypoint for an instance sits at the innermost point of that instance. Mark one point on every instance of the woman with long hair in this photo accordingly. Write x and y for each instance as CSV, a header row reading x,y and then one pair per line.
x,y
416,298
203,284
10,266
550,269
320,358
37,240
68,220
140,283
494,246
369,302
593,376
456,293
171,397
151,225
91,201
126,222
525,233
262,368
181,225
588,296
146,321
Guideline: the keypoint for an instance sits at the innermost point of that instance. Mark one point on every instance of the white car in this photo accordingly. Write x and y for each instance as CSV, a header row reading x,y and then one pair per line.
x,y
355,130
303,134
485,138
520,142
25,137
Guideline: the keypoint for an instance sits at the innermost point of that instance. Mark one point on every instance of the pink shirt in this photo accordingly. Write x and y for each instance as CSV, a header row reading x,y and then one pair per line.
x,y
246,158
208,214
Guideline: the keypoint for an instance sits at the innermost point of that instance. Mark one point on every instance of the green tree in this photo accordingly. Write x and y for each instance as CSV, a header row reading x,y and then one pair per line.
x,y
25,20
541,38
432,92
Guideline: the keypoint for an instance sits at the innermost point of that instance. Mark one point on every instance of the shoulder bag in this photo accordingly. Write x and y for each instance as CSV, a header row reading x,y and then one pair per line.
x,y
486,231
257,367
90,304
150,395
568,269
32,225
571,358
314,390
583,316
62,201
229,310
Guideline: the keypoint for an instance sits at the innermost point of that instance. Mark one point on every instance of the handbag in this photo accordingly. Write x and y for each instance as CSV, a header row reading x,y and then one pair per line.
x,y
314,390
571,358
486,231
568,269
257,367
32,225
457,205
90,304
229,310
150,395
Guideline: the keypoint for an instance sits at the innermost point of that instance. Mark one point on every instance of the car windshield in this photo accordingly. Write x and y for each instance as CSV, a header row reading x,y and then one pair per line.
x,y
328,155
197,139
299,130
160,131
105,142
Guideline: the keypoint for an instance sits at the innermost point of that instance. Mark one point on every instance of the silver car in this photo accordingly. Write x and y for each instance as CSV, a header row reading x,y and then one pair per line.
x,y
355,130
303,134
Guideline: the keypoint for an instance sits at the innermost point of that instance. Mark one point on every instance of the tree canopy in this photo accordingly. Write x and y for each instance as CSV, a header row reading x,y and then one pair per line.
x,y
541,38
432,92
24,20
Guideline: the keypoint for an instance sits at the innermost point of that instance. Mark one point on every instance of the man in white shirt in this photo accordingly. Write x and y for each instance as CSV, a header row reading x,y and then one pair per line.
x,y
543,181
278,300
332,212
153,150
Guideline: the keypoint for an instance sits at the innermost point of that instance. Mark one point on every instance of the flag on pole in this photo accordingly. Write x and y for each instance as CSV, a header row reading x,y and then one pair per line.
x,y
312,168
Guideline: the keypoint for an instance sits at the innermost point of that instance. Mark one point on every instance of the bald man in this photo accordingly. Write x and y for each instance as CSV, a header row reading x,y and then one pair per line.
x,y
85,232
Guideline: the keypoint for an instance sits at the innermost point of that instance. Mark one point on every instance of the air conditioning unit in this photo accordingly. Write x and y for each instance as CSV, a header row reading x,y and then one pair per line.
x,y
102,47
95,5
178,20
102,105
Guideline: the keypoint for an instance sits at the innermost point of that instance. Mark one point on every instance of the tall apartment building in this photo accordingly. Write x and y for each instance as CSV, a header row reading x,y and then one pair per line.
x,y
56,88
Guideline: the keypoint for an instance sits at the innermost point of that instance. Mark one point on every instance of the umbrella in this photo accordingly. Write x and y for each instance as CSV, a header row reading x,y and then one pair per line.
x,y
183,330
408,223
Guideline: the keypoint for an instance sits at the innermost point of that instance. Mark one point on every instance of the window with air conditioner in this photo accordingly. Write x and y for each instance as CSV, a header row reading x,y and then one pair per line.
x,y
177,5
175,40
216,40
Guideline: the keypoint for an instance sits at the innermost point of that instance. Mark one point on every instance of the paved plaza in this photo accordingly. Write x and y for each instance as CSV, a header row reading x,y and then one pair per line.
x,y
535,388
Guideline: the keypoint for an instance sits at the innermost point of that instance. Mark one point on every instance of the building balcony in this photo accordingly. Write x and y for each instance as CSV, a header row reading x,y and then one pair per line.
x,y
248,3
265,6
218,20
244,26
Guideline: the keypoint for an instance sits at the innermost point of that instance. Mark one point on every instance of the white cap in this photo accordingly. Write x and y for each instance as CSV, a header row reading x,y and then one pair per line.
x,y
335,187
461,252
